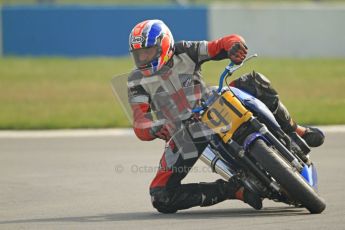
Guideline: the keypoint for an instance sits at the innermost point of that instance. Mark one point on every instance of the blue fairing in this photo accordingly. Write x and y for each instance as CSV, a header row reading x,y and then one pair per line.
x,y
310,175
251,138
256,106
262,112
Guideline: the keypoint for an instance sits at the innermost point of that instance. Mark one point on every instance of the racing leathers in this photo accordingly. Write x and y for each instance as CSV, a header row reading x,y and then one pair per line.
x,y
162,103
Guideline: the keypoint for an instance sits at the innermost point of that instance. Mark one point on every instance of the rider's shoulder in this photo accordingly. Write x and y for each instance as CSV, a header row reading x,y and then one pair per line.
x,y
184,46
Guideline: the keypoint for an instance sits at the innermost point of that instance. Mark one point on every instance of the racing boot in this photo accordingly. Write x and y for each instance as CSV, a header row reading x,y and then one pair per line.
x,y
235,190
313,136
249,197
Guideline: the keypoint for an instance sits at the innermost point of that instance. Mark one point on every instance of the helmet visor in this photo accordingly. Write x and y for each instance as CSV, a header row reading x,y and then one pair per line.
x,y
143,57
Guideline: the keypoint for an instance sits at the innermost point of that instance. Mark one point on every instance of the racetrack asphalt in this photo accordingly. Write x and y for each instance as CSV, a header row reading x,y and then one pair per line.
x,y
102,182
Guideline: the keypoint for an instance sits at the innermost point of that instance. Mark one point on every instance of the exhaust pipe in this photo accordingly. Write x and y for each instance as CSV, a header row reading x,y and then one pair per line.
x,y
216,164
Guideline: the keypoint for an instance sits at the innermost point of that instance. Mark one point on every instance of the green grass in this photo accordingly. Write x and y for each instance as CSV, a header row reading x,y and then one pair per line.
x,y
47,93
59,93
312,89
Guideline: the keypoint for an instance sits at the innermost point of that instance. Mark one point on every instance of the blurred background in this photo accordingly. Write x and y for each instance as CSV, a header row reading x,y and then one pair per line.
x,y
57,57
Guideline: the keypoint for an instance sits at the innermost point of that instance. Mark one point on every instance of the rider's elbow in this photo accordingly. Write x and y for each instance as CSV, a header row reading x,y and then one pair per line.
x,y
143,134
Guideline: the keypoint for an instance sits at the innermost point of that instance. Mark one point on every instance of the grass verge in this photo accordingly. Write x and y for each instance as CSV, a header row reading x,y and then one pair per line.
x,y
54,93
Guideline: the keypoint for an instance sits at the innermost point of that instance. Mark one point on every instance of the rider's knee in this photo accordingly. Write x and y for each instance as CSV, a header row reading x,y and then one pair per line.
x,y
162,200
259,86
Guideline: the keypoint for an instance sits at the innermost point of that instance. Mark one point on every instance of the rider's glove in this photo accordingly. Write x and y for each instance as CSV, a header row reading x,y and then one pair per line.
x,y
237,52
163,132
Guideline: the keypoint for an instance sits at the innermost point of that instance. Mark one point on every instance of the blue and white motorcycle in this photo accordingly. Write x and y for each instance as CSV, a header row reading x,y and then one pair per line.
x,y
249,144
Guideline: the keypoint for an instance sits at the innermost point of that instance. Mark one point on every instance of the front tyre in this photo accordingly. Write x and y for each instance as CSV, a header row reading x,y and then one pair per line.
x,y
291,181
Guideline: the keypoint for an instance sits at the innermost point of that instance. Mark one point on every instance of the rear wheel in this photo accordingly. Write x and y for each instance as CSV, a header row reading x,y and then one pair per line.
x,y
291,181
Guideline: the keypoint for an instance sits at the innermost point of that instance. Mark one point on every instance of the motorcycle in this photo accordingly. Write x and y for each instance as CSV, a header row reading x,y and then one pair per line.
x,y
256,150
244,140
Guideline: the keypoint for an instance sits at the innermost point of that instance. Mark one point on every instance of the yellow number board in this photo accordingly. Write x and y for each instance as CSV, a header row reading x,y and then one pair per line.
x,y
225,115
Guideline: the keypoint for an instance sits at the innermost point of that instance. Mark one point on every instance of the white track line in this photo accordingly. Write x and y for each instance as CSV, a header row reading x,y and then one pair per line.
x,y
67,133
332,128
106,132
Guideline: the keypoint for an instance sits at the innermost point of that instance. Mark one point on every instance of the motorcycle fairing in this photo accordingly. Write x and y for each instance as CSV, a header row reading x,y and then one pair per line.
x,y
310,175
260,109
256,106
252,138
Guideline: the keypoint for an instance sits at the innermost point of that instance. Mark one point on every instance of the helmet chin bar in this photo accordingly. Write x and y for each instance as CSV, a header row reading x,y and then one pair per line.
x,y
150,70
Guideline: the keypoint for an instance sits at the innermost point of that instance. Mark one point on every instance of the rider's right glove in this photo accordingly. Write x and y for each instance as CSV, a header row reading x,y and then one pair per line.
x,y
237,52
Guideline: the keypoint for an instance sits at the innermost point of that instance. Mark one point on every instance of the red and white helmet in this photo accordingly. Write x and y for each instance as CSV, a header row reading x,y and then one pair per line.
x,y
151,45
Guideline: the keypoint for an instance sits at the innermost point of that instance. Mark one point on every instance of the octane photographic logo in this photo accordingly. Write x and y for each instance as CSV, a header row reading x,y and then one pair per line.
x,y
137,40
141,169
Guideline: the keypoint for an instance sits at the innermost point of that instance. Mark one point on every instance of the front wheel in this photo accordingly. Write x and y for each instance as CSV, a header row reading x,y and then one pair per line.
x,y
291,181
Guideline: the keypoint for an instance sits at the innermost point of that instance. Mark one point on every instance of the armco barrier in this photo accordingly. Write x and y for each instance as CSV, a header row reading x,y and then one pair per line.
x,y
90,30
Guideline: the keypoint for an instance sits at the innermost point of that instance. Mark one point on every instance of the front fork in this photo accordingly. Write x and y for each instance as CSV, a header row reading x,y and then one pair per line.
x,y
272,140
299,164
232,148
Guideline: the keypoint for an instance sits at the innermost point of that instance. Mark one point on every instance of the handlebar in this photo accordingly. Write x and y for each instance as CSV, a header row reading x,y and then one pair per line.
x,y
228,71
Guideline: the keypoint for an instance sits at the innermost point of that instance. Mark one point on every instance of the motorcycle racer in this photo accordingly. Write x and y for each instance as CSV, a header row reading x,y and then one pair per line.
x,y
179,65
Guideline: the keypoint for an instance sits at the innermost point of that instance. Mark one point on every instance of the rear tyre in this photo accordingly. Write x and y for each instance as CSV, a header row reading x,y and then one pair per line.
x,y
292,182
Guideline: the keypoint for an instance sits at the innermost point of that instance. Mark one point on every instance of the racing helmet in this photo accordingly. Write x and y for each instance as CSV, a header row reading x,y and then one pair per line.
x,y
151,45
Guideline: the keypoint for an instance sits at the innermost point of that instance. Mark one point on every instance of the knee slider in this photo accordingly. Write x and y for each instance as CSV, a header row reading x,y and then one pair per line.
x,y
162,201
